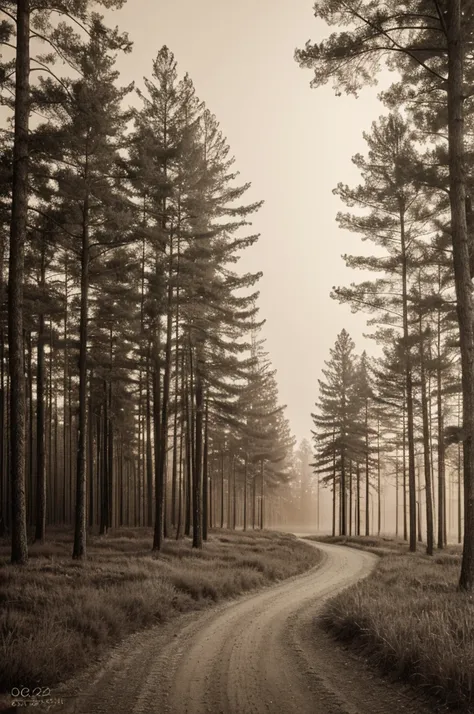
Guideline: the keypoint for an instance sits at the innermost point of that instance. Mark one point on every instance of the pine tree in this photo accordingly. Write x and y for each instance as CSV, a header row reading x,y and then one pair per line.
x,y
338,435
398,212
430,57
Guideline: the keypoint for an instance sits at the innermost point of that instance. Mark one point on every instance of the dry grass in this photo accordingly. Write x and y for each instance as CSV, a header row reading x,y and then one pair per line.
x,y
409,619
380,545
57,614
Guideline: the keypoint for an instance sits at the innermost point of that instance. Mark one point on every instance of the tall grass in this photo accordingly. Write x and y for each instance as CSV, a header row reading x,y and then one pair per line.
x,y
56,614
409,619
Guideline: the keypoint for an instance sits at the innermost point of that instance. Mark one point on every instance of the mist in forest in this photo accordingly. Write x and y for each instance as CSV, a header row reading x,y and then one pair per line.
x,y
293,152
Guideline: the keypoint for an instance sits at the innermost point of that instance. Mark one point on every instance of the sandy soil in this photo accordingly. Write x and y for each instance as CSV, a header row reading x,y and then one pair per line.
x,y
258,654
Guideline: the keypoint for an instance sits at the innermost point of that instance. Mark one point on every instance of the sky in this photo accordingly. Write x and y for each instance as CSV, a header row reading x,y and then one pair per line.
x,y
293,143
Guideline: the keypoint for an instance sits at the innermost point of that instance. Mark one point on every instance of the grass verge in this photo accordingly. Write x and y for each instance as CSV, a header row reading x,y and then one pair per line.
x,y
409,620
57,614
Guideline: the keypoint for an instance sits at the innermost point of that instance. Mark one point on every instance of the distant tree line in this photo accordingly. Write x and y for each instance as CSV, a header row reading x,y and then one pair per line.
x,y
361,445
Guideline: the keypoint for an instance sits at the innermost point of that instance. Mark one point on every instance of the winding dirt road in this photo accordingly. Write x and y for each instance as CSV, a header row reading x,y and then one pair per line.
x,y
260,654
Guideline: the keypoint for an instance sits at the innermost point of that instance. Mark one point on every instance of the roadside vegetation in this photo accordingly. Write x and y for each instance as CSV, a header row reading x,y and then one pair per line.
x,y
58,614
409,619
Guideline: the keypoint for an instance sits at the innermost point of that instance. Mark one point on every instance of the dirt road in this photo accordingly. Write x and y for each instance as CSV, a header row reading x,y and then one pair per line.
x,y
259,654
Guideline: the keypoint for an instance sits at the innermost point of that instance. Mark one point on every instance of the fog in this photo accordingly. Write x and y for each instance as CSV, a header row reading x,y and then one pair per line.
x,y
292,142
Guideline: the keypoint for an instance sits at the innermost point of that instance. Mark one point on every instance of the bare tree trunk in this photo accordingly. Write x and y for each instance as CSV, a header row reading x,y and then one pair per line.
x,y
367,481
104,495
462,277
245,493
51,488
159,445
426,447
79,550
408,384
110,465
234,497
222,493
254,500
189,429
205,474
350,497
379,490
396,493
30,461
90,451
441,449
197,476
149,454
3,487
18,228
405,524
333,487
358,500
40,421
180,468
56,472
229,501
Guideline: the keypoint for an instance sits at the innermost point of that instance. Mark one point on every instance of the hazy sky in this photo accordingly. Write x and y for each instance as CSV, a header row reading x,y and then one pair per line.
x,y
292,142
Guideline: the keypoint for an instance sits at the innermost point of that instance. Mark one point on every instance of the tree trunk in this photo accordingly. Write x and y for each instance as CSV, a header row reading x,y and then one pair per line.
x,y
51,488
3,489
350,497
40,425
180,469
90,450
367,482
110,464
254,502
397,505
104,496
30,461
342,496
79,550
18,228
159,445
234,497
222,493
358,500
205,475
462,277
441,449
149,453
404,446
379,490
245,493
408,384
333,486
188,471
197,475
426,447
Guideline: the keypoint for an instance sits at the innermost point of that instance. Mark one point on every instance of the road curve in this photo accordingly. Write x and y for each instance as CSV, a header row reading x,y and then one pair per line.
x,y
259,654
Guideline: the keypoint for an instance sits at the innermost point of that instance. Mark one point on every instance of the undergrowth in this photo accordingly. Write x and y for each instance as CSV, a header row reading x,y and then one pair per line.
x,y
409,619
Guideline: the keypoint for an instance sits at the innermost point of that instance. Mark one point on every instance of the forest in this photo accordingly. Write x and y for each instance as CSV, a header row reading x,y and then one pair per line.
x,y
412,407
147,463
134,385
135,389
